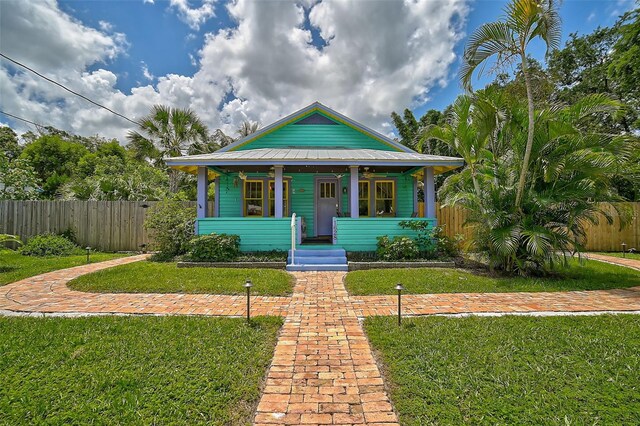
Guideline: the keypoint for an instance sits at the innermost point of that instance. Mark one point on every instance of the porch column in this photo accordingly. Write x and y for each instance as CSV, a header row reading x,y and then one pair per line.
x,y
353,193
429,193
203,188
278,191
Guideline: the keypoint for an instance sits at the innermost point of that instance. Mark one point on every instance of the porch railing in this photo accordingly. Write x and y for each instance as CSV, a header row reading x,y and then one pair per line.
x,y
293,238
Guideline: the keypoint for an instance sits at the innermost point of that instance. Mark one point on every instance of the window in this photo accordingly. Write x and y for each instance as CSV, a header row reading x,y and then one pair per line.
x,y
363,198
385,198
272,198
327,190
253,198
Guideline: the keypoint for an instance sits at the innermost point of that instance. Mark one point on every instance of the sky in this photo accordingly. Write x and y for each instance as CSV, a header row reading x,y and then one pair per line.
x,y
239,60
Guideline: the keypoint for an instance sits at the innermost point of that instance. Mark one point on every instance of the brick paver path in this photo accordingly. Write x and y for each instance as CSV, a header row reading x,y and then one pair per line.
x,y
323,371
48,293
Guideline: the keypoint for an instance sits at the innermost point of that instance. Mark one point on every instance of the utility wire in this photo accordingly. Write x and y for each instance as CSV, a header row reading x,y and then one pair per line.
x,y
21,119
67,89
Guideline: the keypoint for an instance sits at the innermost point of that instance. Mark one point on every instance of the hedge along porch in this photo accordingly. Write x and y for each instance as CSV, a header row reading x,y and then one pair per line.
x,y
346,183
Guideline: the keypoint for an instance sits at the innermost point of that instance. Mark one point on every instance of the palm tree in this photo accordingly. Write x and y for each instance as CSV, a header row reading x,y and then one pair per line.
x,y
508,39
570,182
248,127
171,131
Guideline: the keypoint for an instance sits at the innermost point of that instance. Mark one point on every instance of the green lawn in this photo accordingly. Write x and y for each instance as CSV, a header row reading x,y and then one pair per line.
x,y
635,256
511,370
14,266
590,275
133,370
155,277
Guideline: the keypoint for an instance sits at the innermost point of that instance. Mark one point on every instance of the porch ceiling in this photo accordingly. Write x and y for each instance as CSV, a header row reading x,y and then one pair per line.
x,y
334,160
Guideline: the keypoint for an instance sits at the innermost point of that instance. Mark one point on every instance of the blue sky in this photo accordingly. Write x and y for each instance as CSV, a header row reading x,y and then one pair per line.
x,y
247,60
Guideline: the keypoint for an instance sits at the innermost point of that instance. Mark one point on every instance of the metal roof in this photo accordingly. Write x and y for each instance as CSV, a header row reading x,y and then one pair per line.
x,y
316,106
292,156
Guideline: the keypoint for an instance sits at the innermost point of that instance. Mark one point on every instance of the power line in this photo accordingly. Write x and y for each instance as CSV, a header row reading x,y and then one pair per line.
x,y
20,118
67,89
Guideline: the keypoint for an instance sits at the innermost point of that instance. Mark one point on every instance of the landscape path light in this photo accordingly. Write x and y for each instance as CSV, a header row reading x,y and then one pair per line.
x,y
248,284
399,287
88,252
624,250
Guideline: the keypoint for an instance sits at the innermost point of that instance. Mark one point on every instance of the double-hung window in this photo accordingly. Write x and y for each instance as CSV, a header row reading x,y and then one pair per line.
x,y
253,198
363,197
272,198
385,198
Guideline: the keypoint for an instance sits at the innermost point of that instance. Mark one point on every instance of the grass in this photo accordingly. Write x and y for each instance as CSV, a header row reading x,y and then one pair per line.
x,y
511,370
14,266
156,277
634,256
590,275
133,370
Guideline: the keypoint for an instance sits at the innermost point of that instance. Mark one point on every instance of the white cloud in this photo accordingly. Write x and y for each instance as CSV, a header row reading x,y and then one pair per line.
x,y
146,73
148,1
379,56
193,16
105,26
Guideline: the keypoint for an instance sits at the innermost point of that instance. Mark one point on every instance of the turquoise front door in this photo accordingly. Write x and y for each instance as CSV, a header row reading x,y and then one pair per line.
x,y
326,205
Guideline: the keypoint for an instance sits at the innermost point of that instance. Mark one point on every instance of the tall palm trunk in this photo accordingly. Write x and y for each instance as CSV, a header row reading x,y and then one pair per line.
x,y
527,152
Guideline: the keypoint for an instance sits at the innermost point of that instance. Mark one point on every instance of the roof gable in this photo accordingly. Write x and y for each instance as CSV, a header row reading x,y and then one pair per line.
x,y
316,126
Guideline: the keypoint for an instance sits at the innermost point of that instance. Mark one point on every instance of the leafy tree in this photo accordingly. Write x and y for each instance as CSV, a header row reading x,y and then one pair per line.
x,y
9,143
54,160
247,128
18,180
171,131
569,182
507,40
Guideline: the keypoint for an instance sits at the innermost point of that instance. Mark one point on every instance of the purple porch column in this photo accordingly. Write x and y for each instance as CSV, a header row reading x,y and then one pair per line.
x,y
278,191
353,193
203,188
429,193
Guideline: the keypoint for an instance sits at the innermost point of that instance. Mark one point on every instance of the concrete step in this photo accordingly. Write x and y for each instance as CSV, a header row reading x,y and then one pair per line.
x,y
319,260
319,252
303,268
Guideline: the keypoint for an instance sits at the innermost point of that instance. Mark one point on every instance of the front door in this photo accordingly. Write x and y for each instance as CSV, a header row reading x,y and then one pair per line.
x,y
326,205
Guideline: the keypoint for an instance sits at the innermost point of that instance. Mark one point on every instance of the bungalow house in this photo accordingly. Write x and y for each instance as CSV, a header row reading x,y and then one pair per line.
x,y
316,183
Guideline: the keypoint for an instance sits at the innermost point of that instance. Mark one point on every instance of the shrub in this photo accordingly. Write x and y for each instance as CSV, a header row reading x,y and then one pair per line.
x,y
431,241
6,240
171,226
49,245
214,248
398,248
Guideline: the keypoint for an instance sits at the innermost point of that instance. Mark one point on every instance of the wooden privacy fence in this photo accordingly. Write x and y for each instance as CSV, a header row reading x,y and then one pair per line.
x,y
119,225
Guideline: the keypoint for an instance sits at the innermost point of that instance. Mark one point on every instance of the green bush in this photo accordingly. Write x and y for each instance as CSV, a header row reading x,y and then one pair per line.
x,y
171,226
398,248
49,245
214,248
431,240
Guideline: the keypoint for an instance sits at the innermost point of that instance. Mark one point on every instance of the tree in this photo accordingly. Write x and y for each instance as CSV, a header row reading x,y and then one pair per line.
x,y
18,180
54,161
569,185
171,131
524,21
247,128
9,143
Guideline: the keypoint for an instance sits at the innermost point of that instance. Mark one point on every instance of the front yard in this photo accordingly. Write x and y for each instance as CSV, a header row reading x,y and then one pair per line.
x,y
590,275
511,370
14,266
133,370
154,277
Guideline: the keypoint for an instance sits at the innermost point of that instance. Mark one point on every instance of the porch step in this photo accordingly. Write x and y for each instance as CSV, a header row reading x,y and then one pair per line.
x,y
318,260
304,268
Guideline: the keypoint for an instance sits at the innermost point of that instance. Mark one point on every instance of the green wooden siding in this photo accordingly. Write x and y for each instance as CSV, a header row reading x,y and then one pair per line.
x,y
361,234
256,234
316,135
302,194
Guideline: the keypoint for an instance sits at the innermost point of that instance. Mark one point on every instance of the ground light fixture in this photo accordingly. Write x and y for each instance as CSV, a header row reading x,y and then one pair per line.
x,y
248,284
88,252
399,287
624,250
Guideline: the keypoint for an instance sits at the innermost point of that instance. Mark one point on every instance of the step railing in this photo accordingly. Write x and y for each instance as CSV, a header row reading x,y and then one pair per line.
x,y
293,239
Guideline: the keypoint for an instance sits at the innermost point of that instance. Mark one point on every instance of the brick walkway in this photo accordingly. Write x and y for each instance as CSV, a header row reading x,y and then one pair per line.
x,y
48,293
323,371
